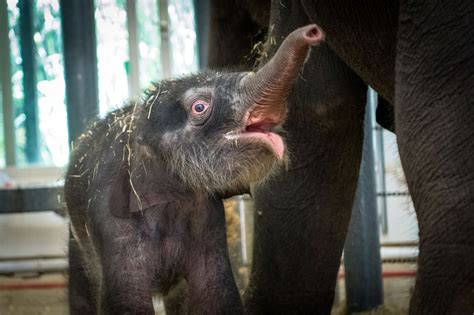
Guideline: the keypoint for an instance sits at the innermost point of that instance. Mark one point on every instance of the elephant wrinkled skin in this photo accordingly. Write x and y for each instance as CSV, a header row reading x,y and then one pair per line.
x,y
419,56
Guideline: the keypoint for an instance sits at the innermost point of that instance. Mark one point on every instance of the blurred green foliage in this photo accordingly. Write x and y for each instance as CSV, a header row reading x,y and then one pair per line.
x,y
50,82
113,58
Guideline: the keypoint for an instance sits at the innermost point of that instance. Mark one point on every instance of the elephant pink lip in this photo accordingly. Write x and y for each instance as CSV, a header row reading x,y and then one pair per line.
x,y
263,133
259,127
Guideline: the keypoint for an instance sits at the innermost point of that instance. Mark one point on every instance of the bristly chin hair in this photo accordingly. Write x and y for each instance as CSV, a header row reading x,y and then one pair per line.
x,y
222,167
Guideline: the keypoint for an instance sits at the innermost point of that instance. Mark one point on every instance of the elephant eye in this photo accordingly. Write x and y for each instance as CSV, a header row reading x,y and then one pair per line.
x,y
199,107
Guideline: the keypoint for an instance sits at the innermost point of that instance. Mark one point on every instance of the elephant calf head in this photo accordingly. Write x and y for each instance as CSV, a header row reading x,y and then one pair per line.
x,y
217,130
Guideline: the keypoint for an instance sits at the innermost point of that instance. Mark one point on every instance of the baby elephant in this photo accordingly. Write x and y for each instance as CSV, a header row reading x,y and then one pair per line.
x,y
144,187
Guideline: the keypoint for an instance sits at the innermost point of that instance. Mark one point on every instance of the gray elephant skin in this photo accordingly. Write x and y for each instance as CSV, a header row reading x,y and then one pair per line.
x,y
419,57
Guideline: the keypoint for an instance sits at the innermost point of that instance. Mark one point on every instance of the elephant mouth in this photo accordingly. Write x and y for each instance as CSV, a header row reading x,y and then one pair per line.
x,y
259,126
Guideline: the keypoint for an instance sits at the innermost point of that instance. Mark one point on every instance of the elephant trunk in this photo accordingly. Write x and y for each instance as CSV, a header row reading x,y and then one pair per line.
x,y
270,86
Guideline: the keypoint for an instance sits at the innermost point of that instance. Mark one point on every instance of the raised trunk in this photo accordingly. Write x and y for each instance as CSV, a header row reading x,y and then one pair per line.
x,y
268,88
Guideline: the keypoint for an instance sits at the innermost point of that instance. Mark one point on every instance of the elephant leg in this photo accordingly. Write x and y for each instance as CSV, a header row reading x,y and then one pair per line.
x,y
211,288
81,296
126,287
302,213
127,259
435,127
211,285
235,27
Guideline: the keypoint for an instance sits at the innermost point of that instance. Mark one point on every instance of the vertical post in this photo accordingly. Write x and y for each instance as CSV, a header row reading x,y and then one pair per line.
x,y
6,79
201,9
166,59
380,162
363,274
243,229
133,66
80,59
30,101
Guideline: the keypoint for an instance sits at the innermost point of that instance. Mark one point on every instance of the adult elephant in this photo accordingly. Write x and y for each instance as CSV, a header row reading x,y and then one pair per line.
x,y
419,56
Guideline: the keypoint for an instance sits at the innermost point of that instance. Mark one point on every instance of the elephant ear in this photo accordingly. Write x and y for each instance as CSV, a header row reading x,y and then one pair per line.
x,y
134,189
119,193
385,114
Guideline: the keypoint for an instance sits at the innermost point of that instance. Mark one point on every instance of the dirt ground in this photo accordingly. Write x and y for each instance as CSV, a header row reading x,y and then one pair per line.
x,y
398,283
46,294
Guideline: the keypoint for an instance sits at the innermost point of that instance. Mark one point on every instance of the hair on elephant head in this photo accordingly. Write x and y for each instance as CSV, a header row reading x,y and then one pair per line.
x,y
144,185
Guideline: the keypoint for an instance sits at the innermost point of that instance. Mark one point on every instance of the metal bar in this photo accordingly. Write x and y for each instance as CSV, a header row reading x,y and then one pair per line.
x,y
362,262
35,286
166,58
80,59
32,257
33,265
31,200
400,244
394,194
133,66
201,9
243,229
380,160
6,82
30,100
